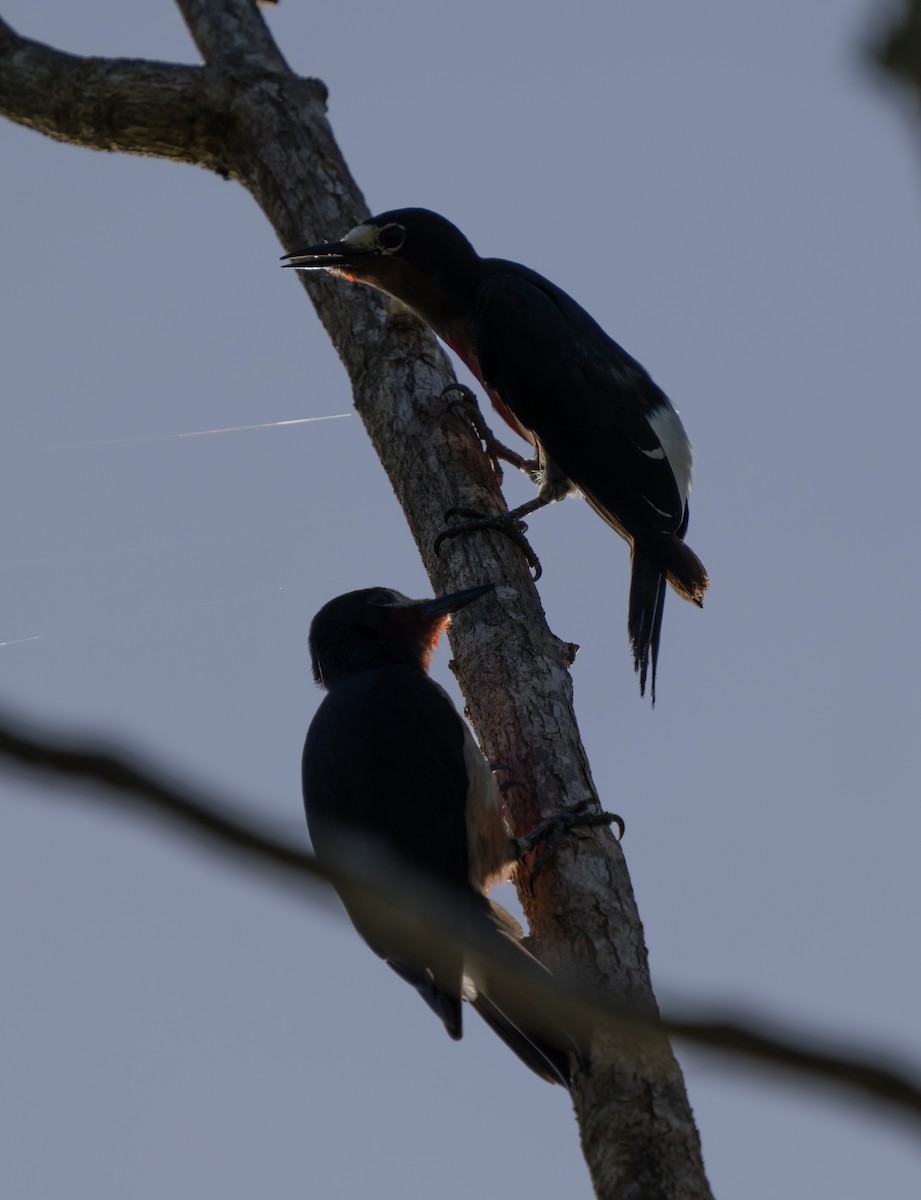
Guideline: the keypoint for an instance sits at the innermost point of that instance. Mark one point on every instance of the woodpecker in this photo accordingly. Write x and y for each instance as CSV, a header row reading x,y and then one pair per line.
x,y
599,424
390,764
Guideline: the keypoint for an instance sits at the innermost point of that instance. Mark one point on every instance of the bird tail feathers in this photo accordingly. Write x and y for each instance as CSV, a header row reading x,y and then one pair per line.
x,y
540,1044
668,559
549,1062
683,569
644,617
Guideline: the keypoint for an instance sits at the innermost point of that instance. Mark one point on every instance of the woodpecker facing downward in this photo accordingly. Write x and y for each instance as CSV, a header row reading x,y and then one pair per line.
x,y
598,422
389,763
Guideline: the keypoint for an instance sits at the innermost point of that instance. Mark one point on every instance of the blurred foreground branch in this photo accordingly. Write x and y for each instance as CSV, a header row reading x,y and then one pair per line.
x,y
429,918
900,48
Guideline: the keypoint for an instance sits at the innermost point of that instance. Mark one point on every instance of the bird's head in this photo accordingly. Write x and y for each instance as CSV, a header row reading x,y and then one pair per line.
x,y
378,627
406,253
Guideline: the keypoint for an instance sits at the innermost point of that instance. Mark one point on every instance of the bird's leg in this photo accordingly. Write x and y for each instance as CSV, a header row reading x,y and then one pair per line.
x,y
552,831
554,485
466,406
510,523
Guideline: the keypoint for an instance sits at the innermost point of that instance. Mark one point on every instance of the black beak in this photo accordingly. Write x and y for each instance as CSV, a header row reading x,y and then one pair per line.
x,y
324,256
455,601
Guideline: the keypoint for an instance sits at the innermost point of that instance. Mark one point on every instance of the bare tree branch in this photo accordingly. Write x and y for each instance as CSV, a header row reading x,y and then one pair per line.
x,y
105,104
235,838
246,116
231,31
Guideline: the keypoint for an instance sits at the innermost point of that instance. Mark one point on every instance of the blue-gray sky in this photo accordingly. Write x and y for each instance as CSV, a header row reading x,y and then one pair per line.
x,y
734,194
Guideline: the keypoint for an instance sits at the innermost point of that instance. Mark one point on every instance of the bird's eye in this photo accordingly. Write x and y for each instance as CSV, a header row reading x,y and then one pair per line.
x,y
391,238
381,598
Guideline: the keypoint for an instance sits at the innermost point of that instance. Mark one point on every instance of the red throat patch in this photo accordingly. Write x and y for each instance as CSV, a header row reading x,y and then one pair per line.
x,y
419,632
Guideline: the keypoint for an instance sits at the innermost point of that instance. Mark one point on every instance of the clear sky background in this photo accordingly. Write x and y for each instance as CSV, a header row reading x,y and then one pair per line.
x,y
735,195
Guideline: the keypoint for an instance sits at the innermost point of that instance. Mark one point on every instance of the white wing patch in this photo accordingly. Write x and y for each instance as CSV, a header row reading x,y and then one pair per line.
x,y
666,425
669,516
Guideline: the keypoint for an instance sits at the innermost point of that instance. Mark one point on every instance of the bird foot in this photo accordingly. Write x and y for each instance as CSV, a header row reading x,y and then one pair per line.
x,y
552,831
467,408
511,524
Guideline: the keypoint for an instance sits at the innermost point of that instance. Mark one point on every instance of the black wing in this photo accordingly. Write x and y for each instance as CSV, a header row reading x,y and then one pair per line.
x,y
587,401
383,763
384,758
407,791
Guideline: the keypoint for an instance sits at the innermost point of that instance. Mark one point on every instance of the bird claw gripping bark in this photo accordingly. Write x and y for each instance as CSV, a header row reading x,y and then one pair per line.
x,y
552,831
497,452
509,523
475,521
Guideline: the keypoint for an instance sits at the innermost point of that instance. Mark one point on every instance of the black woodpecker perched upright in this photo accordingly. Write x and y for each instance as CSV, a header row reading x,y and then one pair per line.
x,y
390,765
599,424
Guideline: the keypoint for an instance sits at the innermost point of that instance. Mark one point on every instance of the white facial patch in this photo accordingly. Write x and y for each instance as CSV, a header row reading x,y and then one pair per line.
x,y
666,425
364,236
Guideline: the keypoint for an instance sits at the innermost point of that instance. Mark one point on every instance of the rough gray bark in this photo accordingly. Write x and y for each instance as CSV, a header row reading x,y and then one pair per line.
x,y
245,116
